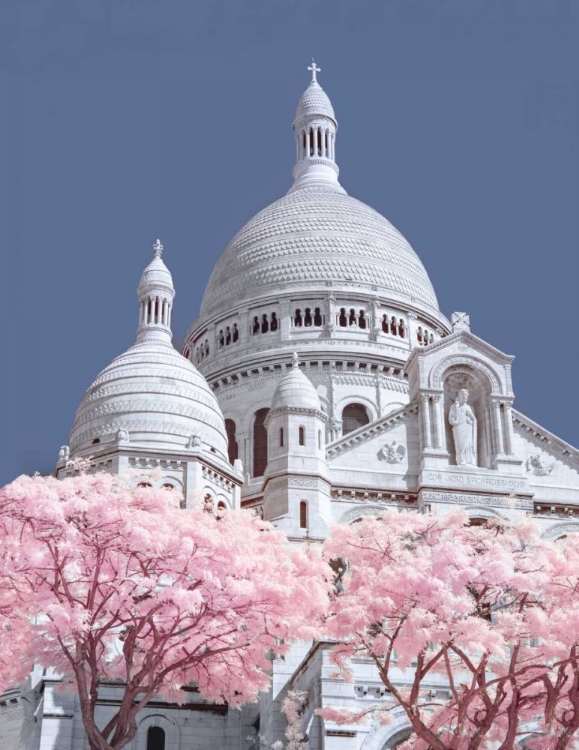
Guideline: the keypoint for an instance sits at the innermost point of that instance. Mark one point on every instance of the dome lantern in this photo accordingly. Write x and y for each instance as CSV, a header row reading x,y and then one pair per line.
x,y
315,127
156,294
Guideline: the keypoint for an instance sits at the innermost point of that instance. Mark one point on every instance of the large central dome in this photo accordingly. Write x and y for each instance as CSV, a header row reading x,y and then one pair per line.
x,y
318,236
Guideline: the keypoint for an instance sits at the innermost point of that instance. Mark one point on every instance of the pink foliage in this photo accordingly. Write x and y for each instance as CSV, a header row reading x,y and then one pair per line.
x,y
124,585
478,623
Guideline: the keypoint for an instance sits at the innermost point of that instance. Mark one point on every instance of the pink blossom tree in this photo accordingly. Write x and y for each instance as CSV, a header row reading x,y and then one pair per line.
x,y
459,623
125,586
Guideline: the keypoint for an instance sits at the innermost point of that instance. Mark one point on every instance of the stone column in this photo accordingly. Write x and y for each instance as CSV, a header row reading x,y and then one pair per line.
x,y
438,421
498,428
509,434
425,412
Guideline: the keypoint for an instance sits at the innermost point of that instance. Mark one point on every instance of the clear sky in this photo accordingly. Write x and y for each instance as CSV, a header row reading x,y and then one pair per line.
x,y
124,121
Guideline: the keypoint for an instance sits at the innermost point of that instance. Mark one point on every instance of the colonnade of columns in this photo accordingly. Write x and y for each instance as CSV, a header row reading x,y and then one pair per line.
x,y
316,140
155,311
433,428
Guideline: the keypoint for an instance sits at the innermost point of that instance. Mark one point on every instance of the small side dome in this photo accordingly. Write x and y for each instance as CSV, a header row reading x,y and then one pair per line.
x,y
295,390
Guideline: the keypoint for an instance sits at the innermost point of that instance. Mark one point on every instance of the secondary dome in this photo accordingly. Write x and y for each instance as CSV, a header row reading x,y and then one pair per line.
x,y
150,396
318,237
295,390
154,394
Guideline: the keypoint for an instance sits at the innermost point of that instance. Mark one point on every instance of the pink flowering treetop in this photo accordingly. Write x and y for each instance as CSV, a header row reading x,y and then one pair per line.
x,y
461,624
123,585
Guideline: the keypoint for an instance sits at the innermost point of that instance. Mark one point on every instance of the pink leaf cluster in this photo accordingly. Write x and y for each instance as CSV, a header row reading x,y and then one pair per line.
x,y
101,582
478,623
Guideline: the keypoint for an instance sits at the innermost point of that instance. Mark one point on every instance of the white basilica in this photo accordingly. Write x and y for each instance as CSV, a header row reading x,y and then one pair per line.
x,y
320,383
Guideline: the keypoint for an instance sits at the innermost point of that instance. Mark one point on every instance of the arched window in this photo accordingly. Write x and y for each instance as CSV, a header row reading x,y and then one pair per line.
x,y
264,324
281,437
156,738
221,339
168,486
353,417
232,447
352,318
317,317
385,327
308,318
144,484
227,336
343,320
298,318
259,443
235,333
362,319
221,505
303,515
401,328
273,322
255,327
302,435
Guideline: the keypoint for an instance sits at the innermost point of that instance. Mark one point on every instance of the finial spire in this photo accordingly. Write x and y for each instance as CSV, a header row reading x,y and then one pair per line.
x,y
158,249
314,70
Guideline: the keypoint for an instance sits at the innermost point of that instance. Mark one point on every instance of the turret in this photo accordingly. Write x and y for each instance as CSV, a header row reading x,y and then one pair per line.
x,y
297,490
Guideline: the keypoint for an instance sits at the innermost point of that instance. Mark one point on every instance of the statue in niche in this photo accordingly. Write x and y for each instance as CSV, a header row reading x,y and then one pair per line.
x,y
64,453
122,436
464,430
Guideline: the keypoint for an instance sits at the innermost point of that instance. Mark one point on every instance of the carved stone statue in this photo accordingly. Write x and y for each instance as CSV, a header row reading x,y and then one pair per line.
x,y
464,430
122,436
194,442
393,453
64,453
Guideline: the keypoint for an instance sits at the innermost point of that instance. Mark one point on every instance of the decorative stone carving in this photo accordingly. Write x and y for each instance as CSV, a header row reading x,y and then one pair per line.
x,y
460,321
464,430
64,453
123,436
536,464
194,442
394,452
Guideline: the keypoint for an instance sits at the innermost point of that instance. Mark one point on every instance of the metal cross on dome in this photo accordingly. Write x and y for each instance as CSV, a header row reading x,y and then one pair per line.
x,y
315,70
158,248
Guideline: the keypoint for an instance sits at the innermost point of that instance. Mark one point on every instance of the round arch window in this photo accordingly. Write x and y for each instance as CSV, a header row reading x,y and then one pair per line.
x,y
354,416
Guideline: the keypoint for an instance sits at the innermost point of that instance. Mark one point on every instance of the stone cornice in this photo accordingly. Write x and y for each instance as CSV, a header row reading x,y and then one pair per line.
x,y
466,336
295,410
546,438
370,431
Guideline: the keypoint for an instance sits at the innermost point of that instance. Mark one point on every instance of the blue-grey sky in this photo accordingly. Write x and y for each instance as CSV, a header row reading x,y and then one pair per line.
x,y
124,121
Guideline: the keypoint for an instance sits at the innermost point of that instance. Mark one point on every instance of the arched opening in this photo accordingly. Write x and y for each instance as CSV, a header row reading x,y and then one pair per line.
x,y
362,319
298,318
144,484
343,320
221,506
303,515
317,317
273,322
281,437
235,333
168,486
308,318
228,336
354,416
220,339
232,447
255,326
302,436
477,442
259,443
264,324
156,738
352,318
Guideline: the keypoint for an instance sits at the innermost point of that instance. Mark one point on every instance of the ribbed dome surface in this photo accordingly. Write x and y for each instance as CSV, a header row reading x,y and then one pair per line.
x,y
155,394
314,101
295,390
317,237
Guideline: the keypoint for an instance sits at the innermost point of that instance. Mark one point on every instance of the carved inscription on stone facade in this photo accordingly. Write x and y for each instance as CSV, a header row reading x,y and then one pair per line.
x,y
462,498
476,480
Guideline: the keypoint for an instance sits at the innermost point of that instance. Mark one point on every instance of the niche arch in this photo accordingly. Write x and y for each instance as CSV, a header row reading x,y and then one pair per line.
x,y
388,737
559,530
438,374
